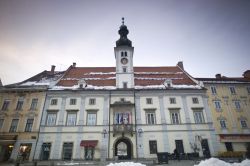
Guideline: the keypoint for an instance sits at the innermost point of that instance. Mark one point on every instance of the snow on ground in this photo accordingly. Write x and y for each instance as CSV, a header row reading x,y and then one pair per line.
x,y
126,164
217,162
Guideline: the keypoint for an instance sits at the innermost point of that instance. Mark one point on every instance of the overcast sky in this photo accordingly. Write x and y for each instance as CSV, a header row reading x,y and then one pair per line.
x,y
209,36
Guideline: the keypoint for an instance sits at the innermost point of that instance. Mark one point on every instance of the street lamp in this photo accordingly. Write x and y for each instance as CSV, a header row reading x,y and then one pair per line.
x,y
140,131
104,132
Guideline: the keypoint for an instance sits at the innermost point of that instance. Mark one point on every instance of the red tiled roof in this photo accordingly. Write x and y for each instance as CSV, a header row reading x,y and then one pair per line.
x,y
105,76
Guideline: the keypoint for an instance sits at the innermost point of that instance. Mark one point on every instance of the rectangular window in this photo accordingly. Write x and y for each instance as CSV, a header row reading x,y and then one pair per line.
x,y
122,118
1,123
51,119
67,150
72,102
217,105
175,118
46,147
195,100
92,101
237,104
33,105
243,123
71,119
29,125
198,117
149,101
124,69
172,100
232,90
229,146
13,126
125,85
213,90
150,118
53,102
153,147
6,104
248,89
91,119
223,124
19,105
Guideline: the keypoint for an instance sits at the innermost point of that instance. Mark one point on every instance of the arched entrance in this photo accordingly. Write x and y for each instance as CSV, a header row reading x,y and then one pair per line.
x,y
123,149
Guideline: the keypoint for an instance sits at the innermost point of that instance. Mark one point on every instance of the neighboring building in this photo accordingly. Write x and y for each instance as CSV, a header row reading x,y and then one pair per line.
x,y
229,101
21,107
124,111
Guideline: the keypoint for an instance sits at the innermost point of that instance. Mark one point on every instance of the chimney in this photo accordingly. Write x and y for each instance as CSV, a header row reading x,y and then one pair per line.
x,y
74,64
180,64
218,76
246,74
52,69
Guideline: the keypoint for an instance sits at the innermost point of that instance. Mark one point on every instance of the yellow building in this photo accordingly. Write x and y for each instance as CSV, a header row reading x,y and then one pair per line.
x,y
21,108
229,102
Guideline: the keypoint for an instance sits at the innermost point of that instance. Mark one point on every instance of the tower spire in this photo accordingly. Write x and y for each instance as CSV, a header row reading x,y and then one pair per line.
x,y
123,32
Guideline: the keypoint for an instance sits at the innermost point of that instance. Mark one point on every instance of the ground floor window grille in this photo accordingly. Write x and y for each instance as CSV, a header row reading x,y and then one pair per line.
x,y
153,147
89,153
67,151
45,151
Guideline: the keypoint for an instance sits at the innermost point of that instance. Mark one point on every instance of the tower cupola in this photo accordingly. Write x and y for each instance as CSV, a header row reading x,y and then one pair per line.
x,y
123,32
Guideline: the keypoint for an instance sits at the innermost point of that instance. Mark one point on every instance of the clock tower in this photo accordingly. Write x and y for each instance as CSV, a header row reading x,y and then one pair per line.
x,y
124,59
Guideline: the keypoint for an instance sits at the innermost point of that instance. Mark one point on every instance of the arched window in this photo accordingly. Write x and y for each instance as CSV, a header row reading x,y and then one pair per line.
x,y
126,54
122,54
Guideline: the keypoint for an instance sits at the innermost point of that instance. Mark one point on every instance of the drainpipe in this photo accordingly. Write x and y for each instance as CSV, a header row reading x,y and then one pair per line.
x,y
109,122
135,128
39,128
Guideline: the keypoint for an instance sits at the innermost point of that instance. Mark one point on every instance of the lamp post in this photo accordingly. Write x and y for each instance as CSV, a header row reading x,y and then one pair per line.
x,y
104,132
140,131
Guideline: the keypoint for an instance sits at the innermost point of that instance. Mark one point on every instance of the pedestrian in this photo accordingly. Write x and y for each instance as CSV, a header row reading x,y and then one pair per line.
x,y
176,154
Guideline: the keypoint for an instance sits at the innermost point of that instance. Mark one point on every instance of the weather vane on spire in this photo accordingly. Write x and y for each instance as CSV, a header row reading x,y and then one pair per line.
x,y
122,20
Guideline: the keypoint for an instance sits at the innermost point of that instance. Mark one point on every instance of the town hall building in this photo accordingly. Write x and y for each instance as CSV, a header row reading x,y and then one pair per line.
x,y
124,112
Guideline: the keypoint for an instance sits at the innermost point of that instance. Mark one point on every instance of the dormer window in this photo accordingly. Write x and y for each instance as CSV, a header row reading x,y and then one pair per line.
x,y
82,83
168,83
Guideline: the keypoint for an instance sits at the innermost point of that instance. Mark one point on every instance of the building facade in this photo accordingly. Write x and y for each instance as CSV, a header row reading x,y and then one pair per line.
x,y
125,112
229,101
20,115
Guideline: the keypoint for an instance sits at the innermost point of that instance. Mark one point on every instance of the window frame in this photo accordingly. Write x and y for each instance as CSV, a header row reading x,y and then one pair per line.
x,y
149,100
153,146
232,90
72,101
124,69
19,105
124,85
149,119
92,101
88,121
172,100
199,121
213,90
243,125
223,124
195,100
173,120
47,118
217,105
63,150
13,130
6,104
34,104
237,105
1,123
53,101
75,117
29,126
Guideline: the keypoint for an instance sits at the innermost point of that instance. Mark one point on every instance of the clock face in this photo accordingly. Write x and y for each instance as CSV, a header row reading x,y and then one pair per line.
x,y
124,61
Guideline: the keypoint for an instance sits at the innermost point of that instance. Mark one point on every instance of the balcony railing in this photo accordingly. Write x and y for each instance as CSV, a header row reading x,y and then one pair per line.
x,y
123,129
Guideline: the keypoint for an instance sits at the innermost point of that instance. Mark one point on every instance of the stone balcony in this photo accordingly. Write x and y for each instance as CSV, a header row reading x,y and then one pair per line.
x,y
122,129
